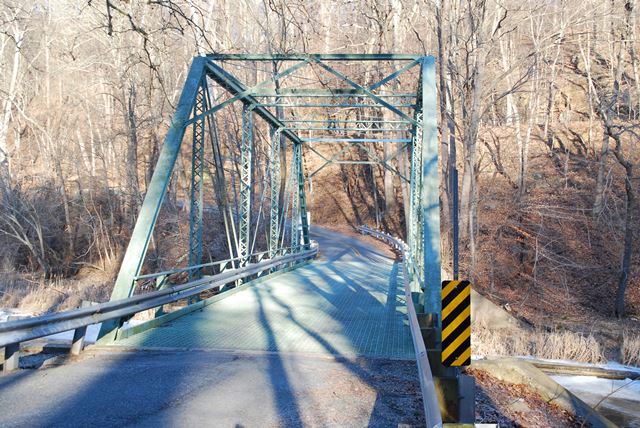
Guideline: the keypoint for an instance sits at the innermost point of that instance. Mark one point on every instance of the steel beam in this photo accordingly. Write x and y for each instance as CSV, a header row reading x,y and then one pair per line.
x,y
329,161
141,235
295,197
220,185
370,121
304,216
430,188
197,187
239,95
322,57
350,129
246,161
382,162
355,140
328,105
274,171
395,75
234,86
366,91
322,93
415,180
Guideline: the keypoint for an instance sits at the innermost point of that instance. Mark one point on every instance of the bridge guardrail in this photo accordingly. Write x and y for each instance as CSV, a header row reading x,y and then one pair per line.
x,y
12,333
429,399
221,265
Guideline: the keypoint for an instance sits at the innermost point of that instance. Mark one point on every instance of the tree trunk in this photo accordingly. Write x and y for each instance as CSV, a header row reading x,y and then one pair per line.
x,y
598,204
5,120
623,279
131,166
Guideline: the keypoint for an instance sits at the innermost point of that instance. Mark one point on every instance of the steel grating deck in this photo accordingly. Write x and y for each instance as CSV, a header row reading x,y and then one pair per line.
x,y
349,306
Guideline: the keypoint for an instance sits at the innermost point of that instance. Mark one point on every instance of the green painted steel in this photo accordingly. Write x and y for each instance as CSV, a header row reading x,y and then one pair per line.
x,y
345,121
246,172
321,57
234,86
326,105
415,224
274,171
220,186
369,129
366,91
395,75
375,159
295,197
430,188
322,93
197,187
141,235
248,91
355,140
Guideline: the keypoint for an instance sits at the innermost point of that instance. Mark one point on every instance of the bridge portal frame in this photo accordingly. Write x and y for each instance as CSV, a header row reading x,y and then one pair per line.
x,y
195,108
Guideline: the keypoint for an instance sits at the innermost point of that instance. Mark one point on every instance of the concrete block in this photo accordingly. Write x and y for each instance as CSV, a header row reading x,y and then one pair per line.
x,y
467,394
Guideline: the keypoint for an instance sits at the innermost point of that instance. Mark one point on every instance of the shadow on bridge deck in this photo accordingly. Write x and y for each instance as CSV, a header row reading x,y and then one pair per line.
x,y
343,305
324,345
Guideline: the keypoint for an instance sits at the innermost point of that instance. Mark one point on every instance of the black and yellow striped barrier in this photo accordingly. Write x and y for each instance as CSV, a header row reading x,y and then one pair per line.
x,y
456,323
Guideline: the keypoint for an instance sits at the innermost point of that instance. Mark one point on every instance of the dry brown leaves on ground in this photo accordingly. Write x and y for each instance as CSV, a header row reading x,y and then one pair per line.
x,y
512,405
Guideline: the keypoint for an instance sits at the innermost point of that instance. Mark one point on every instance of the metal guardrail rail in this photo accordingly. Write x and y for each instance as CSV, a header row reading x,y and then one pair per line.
x,y
221,265
429,399
12,333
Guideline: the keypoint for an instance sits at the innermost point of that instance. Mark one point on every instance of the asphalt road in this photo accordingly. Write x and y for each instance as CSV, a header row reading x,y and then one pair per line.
x,y
241,388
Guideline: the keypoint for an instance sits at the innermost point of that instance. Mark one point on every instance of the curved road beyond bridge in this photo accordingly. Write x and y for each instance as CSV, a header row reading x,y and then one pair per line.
x,y
327,344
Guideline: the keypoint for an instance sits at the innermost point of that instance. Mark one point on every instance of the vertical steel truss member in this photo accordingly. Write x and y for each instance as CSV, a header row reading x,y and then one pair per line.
x,y
220,184
414,228
197,182
274,171
246,148
295,197
415,223
304,219
430,188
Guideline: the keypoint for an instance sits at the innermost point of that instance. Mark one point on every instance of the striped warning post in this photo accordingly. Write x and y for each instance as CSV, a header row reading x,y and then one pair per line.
x,y
456,323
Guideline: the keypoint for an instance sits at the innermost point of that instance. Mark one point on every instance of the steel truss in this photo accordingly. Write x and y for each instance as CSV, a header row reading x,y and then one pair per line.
x,y
196,207
274,171
246,150
298,126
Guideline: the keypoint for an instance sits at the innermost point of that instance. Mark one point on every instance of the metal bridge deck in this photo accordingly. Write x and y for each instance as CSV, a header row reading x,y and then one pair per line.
x,y
348,303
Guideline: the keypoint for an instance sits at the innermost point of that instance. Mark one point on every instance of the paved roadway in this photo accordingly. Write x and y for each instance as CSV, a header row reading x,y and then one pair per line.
x,y
323,345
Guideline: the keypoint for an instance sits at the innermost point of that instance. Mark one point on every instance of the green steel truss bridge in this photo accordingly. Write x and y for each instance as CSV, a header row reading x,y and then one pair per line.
x,y
330,296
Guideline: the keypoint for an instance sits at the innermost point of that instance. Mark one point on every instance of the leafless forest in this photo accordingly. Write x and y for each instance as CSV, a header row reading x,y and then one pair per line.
x,y
539,99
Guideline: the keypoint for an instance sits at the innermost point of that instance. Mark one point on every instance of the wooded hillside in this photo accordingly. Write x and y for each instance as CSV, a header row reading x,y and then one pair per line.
x,y
539,101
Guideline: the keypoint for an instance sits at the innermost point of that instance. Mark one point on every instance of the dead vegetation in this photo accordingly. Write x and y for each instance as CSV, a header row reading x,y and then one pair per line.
x,y
512,405
631,348
537,343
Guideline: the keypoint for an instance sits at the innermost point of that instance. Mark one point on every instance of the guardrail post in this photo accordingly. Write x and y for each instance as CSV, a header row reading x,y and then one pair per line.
x,y
162,282
77,345
10,357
